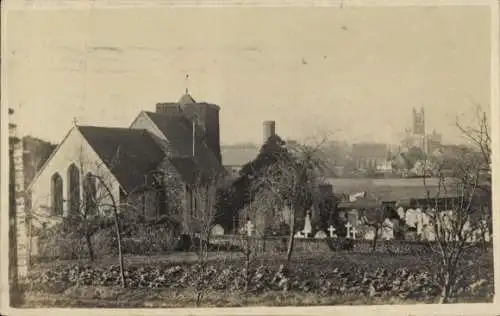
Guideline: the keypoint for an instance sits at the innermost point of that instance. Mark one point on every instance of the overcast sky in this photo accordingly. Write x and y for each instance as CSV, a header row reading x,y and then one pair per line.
x,y
354,71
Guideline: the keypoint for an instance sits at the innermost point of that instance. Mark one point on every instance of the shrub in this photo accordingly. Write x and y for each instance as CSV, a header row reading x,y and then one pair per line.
x,y
60,248
339,244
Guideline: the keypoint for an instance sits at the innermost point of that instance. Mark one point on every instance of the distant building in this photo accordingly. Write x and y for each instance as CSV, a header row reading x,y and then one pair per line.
x,y
434,141
236,156
371,156
417,136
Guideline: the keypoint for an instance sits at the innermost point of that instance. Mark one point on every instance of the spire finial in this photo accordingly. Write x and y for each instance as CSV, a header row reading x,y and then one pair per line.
x,y
187,82
75,121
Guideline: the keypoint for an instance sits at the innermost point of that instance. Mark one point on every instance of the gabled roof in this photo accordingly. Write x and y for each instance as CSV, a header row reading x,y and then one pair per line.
x,y
130,154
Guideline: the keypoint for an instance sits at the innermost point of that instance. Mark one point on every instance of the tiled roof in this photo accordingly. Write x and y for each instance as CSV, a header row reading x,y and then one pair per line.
x,y
129,153
177,130
186,167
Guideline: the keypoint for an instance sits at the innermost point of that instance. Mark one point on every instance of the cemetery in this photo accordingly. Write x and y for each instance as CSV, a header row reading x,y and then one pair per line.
x,y
337,265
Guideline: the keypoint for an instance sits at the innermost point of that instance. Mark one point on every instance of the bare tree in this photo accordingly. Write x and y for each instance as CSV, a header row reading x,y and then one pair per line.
x,y
478,132
88,213
455,211
375,219
199,220
260,205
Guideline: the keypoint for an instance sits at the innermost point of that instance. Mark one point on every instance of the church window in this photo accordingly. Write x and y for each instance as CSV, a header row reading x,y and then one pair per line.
x,y
73,189
90,193
57,194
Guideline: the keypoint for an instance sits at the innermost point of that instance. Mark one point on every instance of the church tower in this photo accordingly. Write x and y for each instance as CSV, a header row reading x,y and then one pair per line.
x,y
419,129
205,116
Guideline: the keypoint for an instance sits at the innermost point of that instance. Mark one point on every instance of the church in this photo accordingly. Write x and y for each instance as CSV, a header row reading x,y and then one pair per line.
x,y
149,166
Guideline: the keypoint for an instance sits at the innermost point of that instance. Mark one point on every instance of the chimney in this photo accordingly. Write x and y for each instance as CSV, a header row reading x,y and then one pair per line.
x,y
269,129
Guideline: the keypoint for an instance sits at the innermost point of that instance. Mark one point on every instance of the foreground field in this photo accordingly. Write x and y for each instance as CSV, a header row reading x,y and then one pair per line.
x,y
326,279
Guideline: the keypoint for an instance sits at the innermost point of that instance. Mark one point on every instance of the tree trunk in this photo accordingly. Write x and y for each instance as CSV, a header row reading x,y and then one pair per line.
x,y
89,247
247,265
374,243
198,299
445,289
291,239
118,231
120,255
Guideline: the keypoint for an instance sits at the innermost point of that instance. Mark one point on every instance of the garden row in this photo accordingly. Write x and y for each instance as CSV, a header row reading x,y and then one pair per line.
x,y
357,275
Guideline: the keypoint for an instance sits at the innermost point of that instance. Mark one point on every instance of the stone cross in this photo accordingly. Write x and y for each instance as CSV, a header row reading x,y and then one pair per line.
x,y
250,228
348,226
354,231
331,229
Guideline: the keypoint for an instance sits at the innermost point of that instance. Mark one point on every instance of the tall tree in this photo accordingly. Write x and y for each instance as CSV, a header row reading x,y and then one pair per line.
x,y
239,194
200,218
294,181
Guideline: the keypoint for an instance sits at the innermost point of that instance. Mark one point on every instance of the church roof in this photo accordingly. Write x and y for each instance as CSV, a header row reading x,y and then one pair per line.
x,y
130,154
186,167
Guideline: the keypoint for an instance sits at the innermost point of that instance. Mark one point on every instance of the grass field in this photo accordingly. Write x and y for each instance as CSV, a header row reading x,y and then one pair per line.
x,y
386,189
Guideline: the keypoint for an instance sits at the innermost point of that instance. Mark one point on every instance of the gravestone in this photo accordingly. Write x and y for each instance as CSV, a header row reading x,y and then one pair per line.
x,y
370,234
332,229
348,226
428,233
387,230
320,235
217,230
411,218
249,228
307,226
401,212
299,235
353,217
354,231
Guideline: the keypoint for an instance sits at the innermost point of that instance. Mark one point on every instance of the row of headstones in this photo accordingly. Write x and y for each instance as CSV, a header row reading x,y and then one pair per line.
x,y
352,232
218,230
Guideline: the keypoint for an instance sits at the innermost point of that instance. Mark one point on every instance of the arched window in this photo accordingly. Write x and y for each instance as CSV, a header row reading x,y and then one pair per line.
x,y
57,194
73,189
90,193
161,196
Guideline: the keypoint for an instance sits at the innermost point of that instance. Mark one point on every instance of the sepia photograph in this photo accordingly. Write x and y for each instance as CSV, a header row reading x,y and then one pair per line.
x,y
222,157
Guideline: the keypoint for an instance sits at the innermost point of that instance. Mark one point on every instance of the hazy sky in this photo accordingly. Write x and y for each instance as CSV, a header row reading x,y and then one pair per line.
x,y
355,71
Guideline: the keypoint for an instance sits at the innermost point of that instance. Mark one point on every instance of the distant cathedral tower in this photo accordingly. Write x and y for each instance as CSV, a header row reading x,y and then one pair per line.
x,y
418,130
